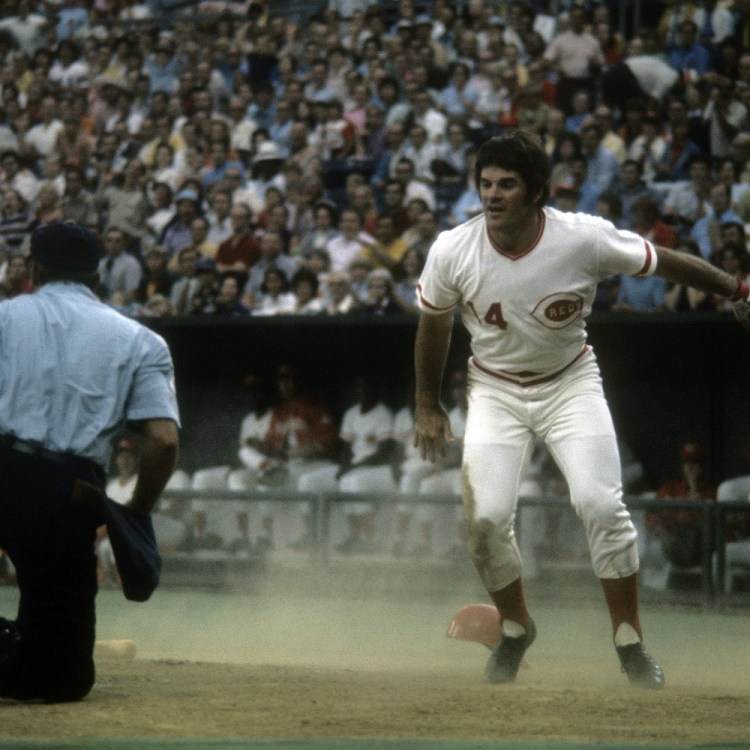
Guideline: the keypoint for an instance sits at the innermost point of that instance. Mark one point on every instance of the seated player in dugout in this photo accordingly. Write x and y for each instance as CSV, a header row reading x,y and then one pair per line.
x,y
524,276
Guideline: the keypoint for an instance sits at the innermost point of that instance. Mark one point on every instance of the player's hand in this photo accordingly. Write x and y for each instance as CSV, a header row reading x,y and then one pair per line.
x,y
432,430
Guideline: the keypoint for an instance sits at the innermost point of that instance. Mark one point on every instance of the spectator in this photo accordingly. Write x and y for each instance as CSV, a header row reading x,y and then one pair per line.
x,y
41,138
706,231
163,66
380,301
156,278
16,220
734,259
120,272
567,148
219,206
240,251
649,151
228,301
349,242
46,208
185,286
204,299
219,163
633,186
576,56
26,27
271,256
17,278
603,168
726,117
648,223
13,174
305,287
690,59
324,230
413,187
275,297
339,298
176,234
388,248
685,202
678,154
407,272
162,205
609,207
123,201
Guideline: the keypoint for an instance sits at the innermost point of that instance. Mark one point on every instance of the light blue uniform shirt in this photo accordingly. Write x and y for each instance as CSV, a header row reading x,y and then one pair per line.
x,y
73,370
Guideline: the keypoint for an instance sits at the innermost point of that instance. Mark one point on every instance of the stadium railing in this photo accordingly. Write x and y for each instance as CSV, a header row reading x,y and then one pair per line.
x,y
322,506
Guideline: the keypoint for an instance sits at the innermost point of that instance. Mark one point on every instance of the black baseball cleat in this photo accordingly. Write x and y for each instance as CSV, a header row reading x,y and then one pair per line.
x,y
9,639
505,659
640,667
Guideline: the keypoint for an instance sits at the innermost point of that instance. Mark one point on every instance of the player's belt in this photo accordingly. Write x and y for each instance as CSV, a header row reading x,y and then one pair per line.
x,y
34,449
527,378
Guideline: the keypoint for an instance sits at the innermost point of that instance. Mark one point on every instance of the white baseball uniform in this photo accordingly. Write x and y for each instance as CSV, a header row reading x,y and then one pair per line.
x,y
364,431
533,374
222,514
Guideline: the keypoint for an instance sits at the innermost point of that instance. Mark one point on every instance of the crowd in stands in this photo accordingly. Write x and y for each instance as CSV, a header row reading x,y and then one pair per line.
x,y
238,162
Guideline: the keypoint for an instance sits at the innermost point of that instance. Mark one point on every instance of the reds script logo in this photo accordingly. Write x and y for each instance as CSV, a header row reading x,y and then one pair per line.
x,y
558,310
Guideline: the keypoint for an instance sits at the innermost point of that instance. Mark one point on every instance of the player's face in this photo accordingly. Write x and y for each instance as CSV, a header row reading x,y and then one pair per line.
x,y
507,205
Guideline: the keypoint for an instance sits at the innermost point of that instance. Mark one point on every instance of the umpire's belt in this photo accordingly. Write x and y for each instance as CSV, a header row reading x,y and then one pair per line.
x,y
34,449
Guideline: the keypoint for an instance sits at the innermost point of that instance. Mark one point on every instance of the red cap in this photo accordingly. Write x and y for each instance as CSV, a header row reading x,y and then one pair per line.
x,y
285,371
692,452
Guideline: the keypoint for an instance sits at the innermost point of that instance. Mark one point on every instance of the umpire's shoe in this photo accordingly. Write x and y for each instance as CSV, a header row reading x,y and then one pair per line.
x,y
9,639
640,667
505,659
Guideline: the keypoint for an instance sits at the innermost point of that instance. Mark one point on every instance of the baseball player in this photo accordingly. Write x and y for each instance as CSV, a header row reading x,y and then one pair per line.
x,y
72,372
524,276
367,434
209,517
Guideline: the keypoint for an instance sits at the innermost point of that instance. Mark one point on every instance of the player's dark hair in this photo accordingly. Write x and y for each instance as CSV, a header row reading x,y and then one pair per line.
x,y
518,152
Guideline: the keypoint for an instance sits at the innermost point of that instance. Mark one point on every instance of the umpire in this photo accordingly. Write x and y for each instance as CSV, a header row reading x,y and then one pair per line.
x,y
73,372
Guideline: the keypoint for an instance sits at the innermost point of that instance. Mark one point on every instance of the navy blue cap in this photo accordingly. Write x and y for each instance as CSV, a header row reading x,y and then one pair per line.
x,y
66,247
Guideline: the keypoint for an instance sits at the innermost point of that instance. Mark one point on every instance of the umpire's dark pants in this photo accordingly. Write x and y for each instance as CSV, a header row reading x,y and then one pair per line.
x,y
50,537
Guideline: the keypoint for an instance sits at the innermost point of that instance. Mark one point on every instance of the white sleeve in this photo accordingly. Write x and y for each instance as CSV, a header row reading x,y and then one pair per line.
x,y
436,292
621,251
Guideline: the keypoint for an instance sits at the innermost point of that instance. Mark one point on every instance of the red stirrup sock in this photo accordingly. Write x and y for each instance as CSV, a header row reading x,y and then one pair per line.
x,y
511,603
621,595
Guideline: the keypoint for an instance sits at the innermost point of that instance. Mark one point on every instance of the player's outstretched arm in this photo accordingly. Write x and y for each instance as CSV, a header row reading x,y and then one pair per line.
x,y
432,428
158,461
682,268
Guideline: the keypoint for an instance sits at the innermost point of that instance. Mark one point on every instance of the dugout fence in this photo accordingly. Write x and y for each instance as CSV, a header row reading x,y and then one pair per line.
x,y
710,575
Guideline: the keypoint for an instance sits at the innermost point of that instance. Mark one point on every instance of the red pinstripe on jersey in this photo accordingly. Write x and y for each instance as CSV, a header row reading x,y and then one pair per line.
x,y
524,250
427,303
650,257
527,378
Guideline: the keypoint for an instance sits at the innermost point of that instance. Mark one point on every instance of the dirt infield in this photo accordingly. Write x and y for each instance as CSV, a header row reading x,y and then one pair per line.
x,y
181,699
288,665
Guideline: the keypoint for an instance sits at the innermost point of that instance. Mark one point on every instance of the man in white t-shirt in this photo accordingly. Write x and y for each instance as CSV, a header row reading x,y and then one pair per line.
x,y
524,277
